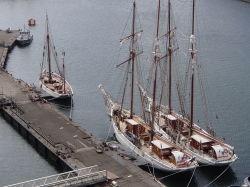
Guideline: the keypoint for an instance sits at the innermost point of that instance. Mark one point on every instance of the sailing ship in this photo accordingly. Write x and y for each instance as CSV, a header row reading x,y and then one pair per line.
x,y
53,83
180,128
132,131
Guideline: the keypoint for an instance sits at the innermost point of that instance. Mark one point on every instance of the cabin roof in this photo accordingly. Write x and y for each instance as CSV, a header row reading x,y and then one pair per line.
x,y
161,145
131,121
170,117
201,139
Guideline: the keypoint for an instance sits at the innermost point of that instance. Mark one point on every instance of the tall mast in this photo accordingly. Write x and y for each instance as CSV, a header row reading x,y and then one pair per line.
x,y
48,40
193,51
63,55
132,56
156,58
133,59
170,60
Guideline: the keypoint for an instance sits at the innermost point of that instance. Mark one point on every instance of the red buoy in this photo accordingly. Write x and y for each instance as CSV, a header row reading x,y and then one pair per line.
x,y
31,22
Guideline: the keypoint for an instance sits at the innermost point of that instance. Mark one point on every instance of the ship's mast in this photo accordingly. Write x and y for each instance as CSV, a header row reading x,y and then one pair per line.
x,y
133,59
48,43
170,60
193,51
133,36
156,59
64,77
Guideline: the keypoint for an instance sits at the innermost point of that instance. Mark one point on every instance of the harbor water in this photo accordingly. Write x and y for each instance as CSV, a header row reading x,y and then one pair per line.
x,y
89,31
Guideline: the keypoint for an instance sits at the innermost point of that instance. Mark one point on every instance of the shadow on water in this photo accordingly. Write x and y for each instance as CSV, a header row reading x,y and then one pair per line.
x,y
56,165
22,45
173,179
221,175
64,105
63,102
203,176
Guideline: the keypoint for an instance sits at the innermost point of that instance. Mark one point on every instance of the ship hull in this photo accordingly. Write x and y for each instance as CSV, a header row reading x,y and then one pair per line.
x,y
201,159
54,93
146,157
24,41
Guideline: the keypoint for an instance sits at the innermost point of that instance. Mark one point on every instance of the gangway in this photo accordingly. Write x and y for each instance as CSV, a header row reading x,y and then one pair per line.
x,y
85,176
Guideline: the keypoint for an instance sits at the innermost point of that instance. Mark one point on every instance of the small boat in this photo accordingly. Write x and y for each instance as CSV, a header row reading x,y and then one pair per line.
x,y
131,130
24,37
53,83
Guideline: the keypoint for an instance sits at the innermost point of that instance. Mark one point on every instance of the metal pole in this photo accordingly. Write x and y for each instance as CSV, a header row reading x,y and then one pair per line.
x,y
11,98
2,90
70,114
130,176
75,141
61,128
118,163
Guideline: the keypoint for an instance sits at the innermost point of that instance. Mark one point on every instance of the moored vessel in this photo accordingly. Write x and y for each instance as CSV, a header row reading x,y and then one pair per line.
x,y
24,37
179,127
132,131
51,82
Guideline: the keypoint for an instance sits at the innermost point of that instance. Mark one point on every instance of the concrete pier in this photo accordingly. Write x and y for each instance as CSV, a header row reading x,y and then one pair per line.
x,y
7,42
60,139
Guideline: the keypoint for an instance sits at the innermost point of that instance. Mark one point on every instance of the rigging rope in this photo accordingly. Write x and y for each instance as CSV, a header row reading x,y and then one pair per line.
x,y
150,171
186,38
170,175
108,132
191,176
127,21
218,176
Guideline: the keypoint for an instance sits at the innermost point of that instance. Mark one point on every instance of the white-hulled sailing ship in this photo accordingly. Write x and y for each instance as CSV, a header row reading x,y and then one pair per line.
x,y
179,127
132,132
53,83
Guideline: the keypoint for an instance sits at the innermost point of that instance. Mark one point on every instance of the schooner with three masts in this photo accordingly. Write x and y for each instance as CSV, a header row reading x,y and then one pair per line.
x,y
180,128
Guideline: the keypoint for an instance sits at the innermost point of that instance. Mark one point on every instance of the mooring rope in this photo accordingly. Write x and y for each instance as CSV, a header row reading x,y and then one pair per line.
x,y
218,176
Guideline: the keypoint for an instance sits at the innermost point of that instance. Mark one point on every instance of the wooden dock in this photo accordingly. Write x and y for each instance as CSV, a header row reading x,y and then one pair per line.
x,y
57,137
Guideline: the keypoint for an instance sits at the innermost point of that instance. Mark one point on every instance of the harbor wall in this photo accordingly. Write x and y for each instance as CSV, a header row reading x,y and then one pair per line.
x,y
37,142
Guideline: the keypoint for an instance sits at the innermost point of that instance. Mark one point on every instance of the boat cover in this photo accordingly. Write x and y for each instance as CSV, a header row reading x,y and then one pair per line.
x,y
178,155
201,139
131,121
170,117
218,149
161,145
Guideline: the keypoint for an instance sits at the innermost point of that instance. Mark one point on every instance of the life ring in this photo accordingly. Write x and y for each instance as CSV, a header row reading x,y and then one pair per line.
x,y
225,151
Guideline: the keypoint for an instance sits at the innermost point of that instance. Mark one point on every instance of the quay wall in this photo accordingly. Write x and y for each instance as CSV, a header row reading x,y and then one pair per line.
x,y
40,144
